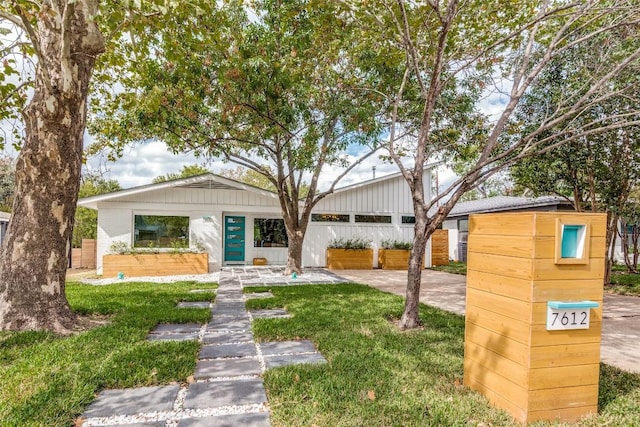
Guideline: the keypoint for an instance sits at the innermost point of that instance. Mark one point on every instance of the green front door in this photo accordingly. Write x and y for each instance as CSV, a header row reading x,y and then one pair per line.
x,y
234,238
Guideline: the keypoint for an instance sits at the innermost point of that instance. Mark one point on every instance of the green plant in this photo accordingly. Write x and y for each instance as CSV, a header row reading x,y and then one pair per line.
x,y
179,246
198,246
120,247
395,244
352,243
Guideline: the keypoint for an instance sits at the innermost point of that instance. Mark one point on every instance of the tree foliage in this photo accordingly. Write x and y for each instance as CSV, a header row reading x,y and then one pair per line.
x,y
49,50
446,57
186,172
268,85
86,220
7,182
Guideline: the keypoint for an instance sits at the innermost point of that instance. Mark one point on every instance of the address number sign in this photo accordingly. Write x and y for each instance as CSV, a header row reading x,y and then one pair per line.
x,y
569,315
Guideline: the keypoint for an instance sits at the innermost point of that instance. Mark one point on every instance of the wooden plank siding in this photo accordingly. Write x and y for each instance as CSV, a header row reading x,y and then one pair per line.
x,y
510,356
440,247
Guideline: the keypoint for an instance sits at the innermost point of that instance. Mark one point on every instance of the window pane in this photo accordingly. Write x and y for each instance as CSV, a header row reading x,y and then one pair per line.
x,y
330,217
269,233
463,225
378,219
408,219
161,231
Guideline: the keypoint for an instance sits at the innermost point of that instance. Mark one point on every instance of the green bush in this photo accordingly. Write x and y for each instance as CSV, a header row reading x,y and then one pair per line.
x,y
395,244
352,243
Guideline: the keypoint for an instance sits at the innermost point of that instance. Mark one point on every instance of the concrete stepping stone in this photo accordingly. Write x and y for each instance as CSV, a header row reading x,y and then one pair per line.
x,y
260,419
172,337
194,304
240,315
133,401
227,337
176,328
227,350
227,368
221,324
286,347
228,305
230,298
274,313
293,359
201,395
256,295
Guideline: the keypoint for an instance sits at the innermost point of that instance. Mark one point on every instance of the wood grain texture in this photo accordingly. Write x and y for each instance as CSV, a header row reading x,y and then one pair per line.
x,y
162,264
349,259
440,247
510,357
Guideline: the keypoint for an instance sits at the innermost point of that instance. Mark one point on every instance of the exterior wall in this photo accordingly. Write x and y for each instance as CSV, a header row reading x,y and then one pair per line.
x,y
207,209
452,226
320,233
388,197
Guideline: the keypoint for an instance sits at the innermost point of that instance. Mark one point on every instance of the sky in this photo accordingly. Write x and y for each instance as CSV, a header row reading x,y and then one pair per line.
x,y
142,163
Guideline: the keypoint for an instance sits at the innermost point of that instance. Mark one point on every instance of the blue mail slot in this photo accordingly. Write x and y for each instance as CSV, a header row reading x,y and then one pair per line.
x,y
563,305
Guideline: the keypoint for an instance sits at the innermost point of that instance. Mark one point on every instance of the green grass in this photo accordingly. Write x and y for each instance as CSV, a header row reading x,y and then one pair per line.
x,y
454,267
624,283
376,375
380,376
47,380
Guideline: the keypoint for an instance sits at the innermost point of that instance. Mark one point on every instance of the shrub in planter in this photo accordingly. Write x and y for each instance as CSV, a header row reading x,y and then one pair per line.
x,y
350,254
394,255
151,261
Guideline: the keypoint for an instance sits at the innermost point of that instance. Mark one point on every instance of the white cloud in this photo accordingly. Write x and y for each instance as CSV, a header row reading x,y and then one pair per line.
x,y
141,163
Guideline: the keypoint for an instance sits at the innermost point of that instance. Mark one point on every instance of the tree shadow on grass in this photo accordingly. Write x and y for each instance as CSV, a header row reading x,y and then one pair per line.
x,y
615,383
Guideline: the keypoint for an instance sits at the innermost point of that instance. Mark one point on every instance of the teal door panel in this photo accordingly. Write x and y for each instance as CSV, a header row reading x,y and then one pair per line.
x,y
234,227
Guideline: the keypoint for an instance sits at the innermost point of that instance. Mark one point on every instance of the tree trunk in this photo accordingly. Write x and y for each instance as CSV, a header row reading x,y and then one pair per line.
x,y
411,316
612,230
35,252
294,253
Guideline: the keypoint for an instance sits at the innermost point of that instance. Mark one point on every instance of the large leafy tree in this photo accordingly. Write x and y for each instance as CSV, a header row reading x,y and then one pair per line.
x,y
269,86
450,53
49,51
64,39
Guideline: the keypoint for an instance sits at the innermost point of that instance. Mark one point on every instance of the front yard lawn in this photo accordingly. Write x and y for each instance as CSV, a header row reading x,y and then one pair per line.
x,y
624,283
376,375
47,380
380,376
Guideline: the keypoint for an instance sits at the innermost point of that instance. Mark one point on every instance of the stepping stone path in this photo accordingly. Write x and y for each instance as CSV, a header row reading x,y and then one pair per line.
x,y
228,389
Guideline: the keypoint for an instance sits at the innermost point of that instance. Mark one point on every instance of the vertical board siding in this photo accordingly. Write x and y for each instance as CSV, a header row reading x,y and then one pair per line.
x,y
385,196
512,275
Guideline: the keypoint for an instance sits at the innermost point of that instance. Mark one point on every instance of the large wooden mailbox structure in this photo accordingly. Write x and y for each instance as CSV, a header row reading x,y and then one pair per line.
x,y
534,312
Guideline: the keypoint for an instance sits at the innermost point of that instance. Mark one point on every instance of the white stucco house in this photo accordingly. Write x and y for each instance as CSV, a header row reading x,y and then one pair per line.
x,y
236,222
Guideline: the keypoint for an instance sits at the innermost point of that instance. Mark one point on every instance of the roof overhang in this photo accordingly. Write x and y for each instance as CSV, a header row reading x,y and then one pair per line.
x,y
207,181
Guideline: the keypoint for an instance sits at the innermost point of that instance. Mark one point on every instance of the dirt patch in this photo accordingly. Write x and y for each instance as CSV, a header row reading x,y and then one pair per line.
x,y
81,273
85,323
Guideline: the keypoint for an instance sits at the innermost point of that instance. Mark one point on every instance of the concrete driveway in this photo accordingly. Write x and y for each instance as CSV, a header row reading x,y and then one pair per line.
x,y
620,327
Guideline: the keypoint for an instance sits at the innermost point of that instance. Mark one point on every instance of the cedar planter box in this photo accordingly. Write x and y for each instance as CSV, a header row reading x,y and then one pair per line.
x,y
393,259
160,264
349,259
